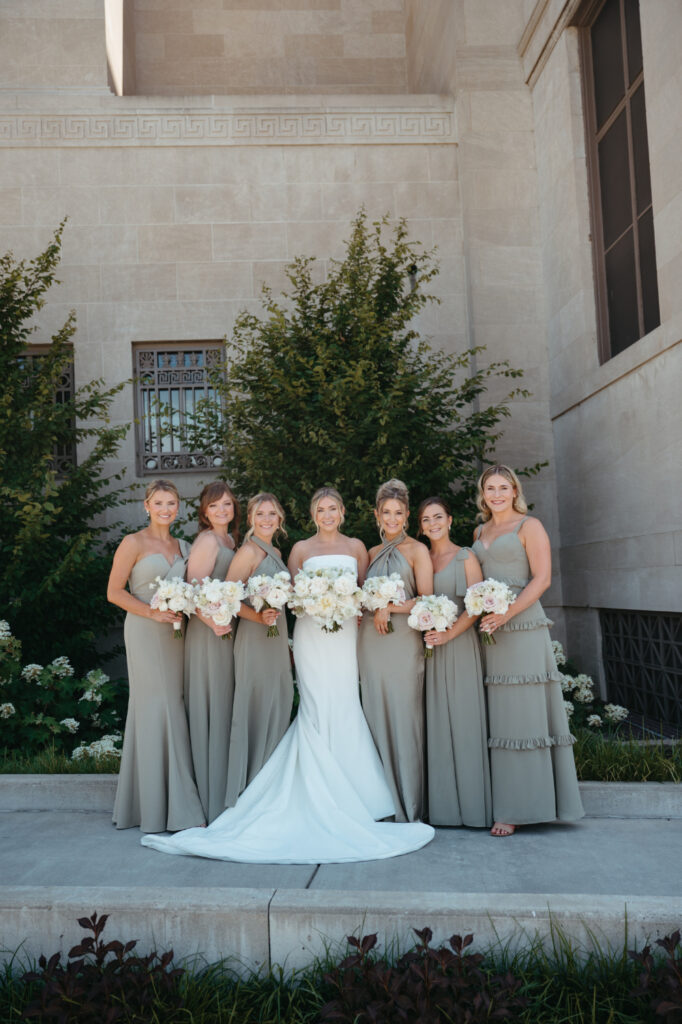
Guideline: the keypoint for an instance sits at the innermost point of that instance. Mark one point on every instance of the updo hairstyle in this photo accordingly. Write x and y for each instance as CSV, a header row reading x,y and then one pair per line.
x,y
253,505
393,490
519,503
213,492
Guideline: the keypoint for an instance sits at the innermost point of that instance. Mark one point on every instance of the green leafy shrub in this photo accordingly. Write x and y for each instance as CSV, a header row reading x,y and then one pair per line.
x,y
43,705
54,559
333,384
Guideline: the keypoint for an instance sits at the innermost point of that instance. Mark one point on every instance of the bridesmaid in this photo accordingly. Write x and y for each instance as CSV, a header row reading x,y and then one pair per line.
x,y
263,684
392,664
532,767
156,789
458,770
209,661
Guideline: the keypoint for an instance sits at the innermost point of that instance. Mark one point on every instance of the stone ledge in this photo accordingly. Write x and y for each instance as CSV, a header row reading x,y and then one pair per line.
x,y
96,793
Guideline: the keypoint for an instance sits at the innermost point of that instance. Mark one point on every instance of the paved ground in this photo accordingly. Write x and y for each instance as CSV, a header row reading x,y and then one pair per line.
x,y
602,856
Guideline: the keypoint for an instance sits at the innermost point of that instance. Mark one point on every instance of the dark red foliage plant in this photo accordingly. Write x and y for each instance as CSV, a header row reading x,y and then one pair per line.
x,y
425,986
102,983
661,981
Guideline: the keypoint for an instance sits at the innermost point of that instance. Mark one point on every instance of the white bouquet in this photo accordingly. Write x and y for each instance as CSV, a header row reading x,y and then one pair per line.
x,y
486,598
219,599
380,591
434,611
173,595
328,596
269,592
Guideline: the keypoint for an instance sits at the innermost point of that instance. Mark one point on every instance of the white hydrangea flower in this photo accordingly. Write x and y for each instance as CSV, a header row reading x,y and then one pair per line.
x,y
615,712
7,710
70,724
31,672
105,745
92,695
5,631
96,677
584,695
594,721
559,655
567,682
569,708
62,667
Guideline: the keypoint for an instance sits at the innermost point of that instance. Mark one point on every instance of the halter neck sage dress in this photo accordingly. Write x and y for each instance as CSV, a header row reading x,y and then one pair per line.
x,y
156,789
458,769
532,767
263,690
209,692
392,686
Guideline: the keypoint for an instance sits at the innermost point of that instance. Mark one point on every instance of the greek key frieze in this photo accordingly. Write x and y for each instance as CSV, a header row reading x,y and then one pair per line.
x,y
118,129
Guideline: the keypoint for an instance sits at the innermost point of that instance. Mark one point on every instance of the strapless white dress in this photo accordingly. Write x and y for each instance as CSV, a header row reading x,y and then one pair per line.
x,y
317,798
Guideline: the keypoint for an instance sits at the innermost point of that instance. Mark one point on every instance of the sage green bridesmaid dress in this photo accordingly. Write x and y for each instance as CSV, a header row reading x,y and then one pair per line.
x,y
209,692
532,767
392,687
263,690
156,789
458,769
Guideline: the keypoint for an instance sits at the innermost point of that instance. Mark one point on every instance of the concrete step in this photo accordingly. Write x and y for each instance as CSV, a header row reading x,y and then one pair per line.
x,y
96,793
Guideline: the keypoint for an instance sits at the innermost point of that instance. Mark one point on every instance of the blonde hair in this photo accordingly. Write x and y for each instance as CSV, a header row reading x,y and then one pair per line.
x,y
393,490
519,502
161,485
254,504
326,492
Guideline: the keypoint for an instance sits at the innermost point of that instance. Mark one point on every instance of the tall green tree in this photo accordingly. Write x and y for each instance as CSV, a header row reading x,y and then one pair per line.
x,y
53,547
333,384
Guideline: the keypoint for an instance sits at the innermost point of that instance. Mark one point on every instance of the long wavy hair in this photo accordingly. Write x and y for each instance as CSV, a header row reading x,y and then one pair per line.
x,y
519,502
252,506
213,492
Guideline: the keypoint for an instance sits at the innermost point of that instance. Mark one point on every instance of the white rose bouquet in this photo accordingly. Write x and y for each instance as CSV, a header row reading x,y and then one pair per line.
x,y
434,611
173,595
269,592
328,596
486,598
380,591
219,599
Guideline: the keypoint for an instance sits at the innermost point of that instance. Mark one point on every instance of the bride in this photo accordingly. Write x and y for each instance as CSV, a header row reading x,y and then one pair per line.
x,y
318,798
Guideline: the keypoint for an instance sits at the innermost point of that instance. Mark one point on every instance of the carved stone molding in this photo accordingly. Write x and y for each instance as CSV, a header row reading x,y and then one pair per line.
x,y
197,129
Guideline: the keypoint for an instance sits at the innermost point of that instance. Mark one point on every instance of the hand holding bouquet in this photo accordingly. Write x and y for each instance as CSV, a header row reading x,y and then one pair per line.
x,y
328,596
380,591
173,595
434,611
490,597
219,600
269,592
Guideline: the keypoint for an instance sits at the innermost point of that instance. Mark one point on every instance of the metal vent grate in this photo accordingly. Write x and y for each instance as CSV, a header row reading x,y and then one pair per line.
x,y
643,662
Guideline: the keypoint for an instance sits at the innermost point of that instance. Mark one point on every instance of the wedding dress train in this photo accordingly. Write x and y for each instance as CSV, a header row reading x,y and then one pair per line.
x,y
317,798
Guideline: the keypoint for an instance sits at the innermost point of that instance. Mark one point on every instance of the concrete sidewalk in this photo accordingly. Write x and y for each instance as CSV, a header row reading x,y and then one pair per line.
x,y
58,864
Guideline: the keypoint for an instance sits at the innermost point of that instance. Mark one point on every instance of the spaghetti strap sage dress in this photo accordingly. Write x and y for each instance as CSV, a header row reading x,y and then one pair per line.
x,y
532,766
263,690
209,692
156,789
392,686
458,769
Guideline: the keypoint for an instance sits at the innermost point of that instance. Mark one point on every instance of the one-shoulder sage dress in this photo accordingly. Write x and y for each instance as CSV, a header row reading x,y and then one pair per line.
x,y
458,769
392,687
263,690
156,789
532,767
209,692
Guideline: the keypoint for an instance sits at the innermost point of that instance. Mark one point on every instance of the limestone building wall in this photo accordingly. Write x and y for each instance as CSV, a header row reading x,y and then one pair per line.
x,y
617,426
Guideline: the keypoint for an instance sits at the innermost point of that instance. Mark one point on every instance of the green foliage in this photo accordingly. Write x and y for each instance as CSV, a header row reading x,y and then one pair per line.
x,y
53,557
47,705
334,385
624,758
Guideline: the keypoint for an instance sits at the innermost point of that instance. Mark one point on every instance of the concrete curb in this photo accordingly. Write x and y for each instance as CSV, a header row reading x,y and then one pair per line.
x,y
96,793
258,928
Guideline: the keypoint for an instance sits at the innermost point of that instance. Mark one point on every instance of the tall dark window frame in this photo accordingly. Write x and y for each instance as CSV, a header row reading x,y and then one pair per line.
x,y
170,378
64,456
625,256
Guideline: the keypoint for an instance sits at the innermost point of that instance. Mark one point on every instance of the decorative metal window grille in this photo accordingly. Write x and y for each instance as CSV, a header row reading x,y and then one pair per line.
x,y
620,184
643,662
64,455
170,380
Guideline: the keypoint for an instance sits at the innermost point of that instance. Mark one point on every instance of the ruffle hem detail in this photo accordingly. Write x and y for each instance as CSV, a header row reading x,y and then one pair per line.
x,y
533,743
537,677
514,626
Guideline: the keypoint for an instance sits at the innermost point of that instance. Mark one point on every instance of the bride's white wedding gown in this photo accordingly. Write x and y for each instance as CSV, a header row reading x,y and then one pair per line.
x,y
317,799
